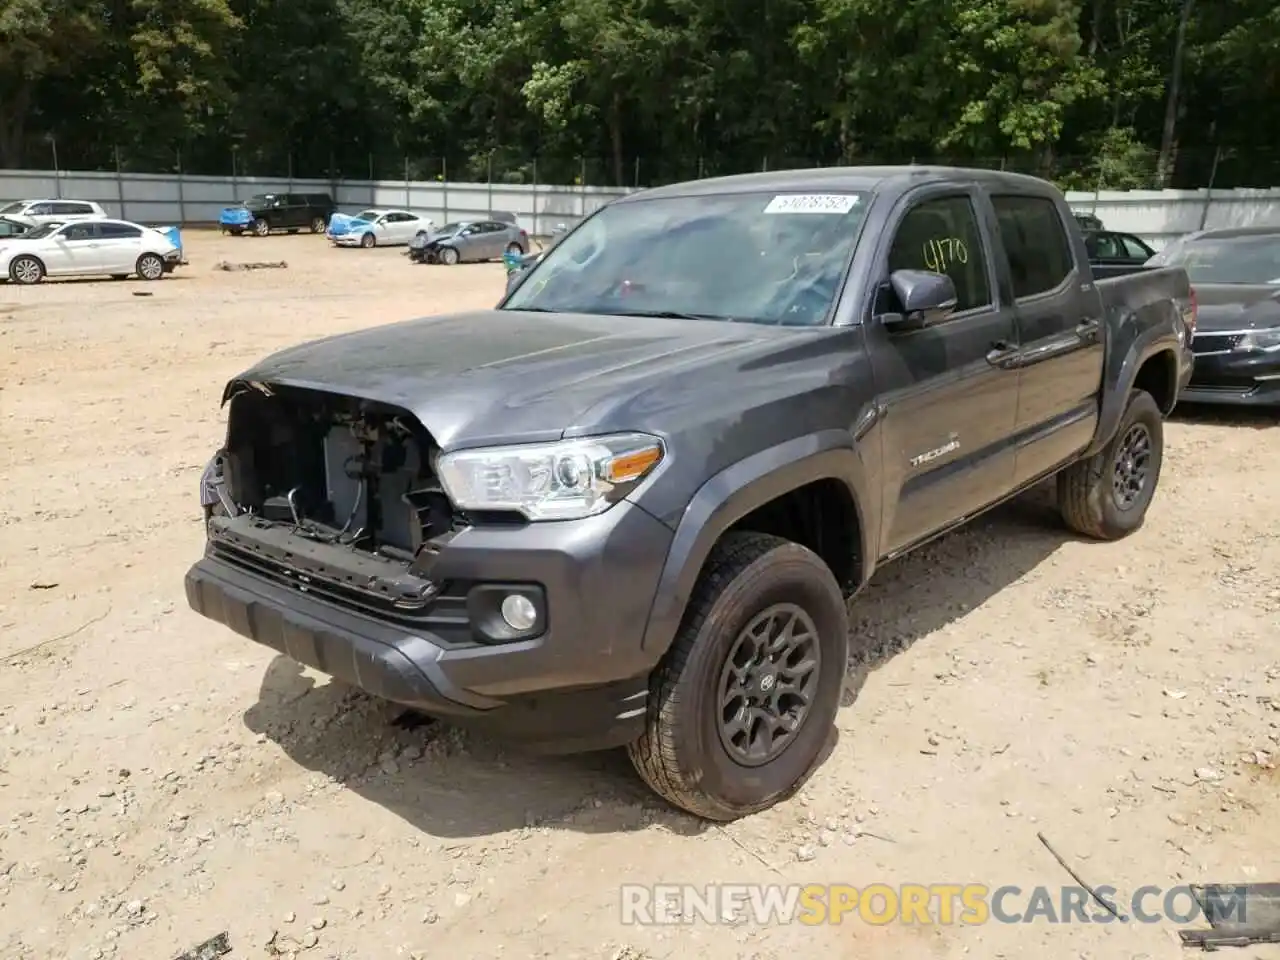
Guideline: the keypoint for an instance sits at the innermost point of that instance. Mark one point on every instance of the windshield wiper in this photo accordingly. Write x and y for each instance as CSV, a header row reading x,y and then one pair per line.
x,y
669,315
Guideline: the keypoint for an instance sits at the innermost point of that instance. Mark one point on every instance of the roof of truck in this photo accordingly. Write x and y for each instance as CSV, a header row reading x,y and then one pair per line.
x,y
878,179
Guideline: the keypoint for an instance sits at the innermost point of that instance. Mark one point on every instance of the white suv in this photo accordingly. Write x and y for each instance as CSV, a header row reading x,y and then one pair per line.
x,y
35,212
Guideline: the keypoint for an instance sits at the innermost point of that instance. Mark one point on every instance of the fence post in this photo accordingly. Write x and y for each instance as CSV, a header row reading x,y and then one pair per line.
x,y
371,167
182,205
444,186
489,178
289,188
582,186
1208,191
701,169
535,197
764,165
57,175
120,184
235,189
406,182
637,183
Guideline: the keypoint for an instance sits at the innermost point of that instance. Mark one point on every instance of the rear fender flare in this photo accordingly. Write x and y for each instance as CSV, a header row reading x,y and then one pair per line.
x,y
1120,377
732,494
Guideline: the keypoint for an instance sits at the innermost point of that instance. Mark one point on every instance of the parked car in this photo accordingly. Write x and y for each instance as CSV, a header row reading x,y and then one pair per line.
x,y
116,248
264,212
469,241
33,212
12,228
1236,276
376,228
627,506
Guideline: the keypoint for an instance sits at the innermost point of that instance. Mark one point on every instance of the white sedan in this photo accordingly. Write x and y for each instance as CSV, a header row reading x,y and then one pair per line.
x,y
86,247
373,228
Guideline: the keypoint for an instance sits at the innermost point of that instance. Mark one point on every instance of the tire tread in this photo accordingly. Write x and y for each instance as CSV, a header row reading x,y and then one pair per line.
x,y
654,754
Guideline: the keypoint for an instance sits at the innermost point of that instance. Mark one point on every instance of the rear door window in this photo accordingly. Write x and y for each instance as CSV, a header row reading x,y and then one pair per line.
x,y
119,231
1036,243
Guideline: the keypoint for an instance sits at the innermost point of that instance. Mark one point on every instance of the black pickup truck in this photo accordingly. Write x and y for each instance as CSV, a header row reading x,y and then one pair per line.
x,y
627,506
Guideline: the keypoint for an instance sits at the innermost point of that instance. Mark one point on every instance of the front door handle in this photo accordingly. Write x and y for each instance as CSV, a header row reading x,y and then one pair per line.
x,y
1002,353
1087,329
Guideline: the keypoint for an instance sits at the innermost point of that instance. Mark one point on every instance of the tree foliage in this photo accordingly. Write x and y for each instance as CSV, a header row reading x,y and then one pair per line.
x,y
1091,92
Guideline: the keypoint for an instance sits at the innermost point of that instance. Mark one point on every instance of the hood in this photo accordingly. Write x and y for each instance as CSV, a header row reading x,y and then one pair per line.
x,y
499,376
1236,306
340,223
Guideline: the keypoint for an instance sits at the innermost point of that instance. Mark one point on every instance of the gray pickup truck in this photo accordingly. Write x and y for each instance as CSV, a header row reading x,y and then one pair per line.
x,y
628,506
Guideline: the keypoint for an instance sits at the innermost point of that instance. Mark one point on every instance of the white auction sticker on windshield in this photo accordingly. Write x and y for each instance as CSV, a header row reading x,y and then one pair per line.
x,y
812,203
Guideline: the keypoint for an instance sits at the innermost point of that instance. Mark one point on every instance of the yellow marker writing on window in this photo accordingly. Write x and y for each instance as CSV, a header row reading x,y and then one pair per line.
x,y
942,254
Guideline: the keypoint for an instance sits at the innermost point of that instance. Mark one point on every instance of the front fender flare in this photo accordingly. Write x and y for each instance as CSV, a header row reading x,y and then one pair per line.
x,y
732,494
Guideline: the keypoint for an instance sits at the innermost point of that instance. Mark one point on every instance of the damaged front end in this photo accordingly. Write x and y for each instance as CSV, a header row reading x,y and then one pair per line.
x,y
332,495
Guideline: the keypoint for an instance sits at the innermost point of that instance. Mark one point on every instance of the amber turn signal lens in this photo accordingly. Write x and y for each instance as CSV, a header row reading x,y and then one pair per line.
x,y
632,466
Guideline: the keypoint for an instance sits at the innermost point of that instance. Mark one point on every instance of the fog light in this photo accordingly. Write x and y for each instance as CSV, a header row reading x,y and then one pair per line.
x,y
519,612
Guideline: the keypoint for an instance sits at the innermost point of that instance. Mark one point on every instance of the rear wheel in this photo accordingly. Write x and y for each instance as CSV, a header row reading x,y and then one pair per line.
x,y
150,267
1106,497
236,231
261,227
449,256
368,240
26,270
742,704
318,224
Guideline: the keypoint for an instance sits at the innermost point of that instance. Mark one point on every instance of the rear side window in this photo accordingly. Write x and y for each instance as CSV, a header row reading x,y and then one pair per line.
x,y
118,231
942,236
71,209
1035,242
1135,247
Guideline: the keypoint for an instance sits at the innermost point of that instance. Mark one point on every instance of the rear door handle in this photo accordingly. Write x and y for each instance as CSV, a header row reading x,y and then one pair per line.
x,y
1002,353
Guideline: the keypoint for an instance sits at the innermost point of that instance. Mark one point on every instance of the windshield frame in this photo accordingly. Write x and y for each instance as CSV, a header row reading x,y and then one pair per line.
x,y
865,197
1177,254
16,207
369,214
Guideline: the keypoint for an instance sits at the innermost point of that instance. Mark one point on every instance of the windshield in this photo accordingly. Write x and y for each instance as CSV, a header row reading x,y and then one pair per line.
x,y
368,215
15,207
451,228
39,232
261,200
756,257
1247,260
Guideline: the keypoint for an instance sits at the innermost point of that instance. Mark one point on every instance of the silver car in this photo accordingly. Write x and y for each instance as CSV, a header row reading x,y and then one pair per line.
x,y
470,242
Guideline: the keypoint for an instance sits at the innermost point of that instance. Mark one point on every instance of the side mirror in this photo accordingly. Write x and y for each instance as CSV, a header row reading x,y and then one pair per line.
x,y
927,298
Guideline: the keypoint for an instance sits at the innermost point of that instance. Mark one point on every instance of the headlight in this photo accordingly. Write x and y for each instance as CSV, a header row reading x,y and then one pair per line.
x,y
1268,340
566,480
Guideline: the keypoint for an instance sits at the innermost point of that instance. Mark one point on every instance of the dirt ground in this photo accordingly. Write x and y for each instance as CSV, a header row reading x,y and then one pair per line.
x,y
163,779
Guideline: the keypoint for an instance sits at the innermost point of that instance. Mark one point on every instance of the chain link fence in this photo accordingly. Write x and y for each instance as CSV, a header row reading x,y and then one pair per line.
x,y
1128,167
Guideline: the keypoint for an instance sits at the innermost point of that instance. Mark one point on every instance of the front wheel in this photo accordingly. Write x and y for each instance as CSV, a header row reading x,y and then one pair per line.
x,y
261,228
368,240
236,231
1106,496
26,270
150,267
448,256
742,704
